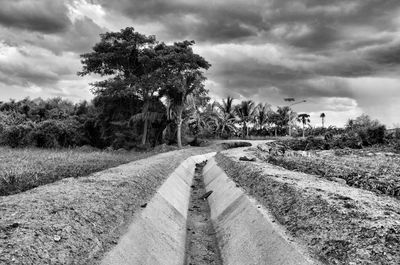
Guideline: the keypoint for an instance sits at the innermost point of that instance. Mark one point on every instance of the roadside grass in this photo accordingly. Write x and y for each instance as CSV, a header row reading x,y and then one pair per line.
x,y
24,169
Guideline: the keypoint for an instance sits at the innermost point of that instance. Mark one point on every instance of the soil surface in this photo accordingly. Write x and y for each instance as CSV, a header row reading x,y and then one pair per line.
x,y
370,169
77,220
201,243
338,224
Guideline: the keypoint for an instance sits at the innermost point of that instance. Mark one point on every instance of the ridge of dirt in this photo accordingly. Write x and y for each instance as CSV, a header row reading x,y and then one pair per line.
x,y
374,171
77,220
338,224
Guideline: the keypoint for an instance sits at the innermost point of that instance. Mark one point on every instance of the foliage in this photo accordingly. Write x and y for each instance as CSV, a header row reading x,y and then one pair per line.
x,y
304,119
17,135
230,145
55,133
369,131
181,71
46,123
246,113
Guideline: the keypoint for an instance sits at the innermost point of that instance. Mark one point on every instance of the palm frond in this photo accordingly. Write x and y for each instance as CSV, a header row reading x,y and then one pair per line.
x,y
149,116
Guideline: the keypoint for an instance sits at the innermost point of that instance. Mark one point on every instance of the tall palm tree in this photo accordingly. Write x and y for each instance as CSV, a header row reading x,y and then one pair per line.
x,y
262,116
226,116
304,119
227,106
246,111
322,116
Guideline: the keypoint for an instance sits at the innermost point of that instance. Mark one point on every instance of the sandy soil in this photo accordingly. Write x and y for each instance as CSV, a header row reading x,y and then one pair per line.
x,y
75,221
338,224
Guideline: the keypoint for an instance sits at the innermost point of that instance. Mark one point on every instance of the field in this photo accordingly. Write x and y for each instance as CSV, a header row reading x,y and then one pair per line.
x,y
369,169
24,169
341,205
345,212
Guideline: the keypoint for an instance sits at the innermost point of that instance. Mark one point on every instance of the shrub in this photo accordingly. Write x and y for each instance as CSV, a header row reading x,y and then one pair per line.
x,y
397,134
56,133
372,135
230,145
17,135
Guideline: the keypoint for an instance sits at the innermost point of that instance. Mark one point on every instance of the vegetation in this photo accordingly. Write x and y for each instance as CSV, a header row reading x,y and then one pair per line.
x,y
304,119
141,67
24,169
368,169
154,93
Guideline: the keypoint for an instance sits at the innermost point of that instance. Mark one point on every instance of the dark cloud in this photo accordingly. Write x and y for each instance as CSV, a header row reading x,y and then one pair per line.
x,y
25,74
79,38
307,24
387,55
47,16
214,21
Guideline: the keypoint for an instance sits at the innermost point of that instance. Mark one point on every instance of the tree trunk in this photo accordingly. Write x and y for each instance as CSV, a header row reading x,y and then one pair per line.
x,y
145,128
323,121
179,126
276,131
303,130
146,123
222,130
244,130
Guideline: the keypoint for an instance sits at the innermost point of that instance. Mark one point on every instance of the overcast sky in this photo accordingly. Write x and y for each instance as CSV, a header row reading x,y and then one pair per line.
x,y
341,56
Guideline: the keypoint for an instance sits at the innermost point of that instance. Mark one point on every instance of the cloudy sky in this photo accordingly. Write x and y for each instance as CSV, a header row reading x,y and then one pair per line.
x,y
342,56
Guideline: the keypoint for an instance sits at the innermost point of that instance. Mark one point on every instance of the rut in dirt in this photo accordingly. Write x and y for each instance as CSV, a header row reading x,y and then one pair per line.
x,y
201,242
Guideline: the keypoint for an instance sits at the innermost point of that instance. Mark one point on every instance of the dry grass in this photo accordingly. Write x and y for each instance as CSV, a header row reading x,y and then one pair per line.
x,y
24,169
366,169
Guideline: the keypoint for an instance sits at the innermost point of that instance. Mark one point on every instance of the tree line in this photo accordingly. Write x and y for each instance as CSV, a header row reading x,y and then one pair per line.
x,y
151,93
124,121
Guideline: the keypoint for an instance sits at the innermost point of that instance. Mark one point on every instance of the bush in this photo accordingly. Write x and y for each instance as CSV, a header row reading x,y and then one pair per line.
x,y
230,145
397,134
56,133
372,135
348,140
17,135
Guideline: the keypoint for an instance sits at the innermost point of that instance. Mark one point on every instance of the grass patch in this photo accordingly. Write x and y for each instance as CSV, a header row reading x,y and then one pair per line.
x,y
229,145
24,169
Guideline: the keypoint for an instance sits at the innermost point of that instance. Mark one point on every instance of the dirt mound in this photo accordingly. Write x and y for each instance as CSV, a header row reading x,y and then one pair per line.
x,y
337,223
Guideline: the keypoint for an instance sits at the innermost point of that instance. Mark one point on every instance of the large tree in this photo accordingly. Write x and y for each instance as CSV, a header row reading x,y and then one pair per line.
x,y
128,57
182,74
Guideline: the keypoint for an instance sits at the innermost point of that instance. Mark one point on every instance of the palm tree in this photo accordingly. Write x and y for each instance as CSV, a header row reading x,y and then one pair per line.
x,y
262,116
227,106
322,116
147,116
282,117
304,119
226,116
246,111
202,116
